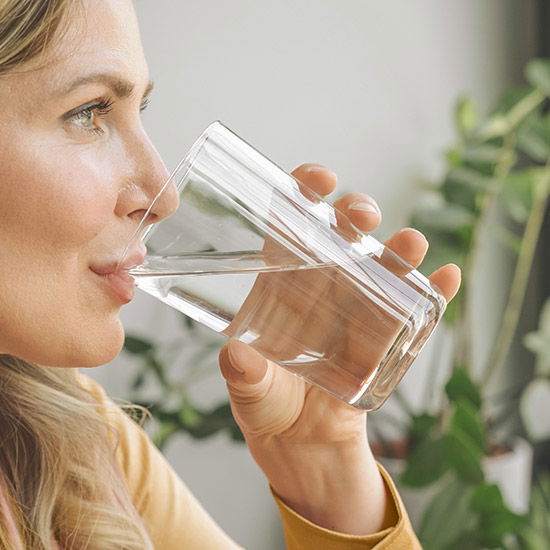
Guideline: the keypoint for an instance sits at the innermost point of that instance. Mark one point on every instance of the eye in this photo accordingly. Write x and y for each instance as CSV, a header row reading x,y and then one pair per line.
x,y
85,117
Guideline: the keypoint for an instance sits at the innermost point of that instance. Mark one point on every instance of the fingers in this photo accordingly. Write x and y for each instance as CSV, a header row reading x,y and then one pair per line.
x,y
317,177
447,280
410,245
362,210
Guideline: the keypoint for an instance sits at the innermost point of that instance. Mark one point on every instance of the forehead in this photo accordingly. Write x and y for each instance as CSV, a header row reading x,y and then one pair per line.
x,y
98,36
101,36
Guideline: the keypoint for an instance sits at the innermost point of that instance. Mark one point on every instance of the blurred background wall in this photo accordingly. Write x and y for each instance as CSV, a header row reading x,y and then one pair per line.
x,y
365,87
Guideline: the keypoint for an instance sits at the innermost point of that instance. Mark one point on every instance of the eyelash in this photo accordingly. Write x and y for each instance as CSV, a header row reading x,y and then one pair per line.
x,y
100,109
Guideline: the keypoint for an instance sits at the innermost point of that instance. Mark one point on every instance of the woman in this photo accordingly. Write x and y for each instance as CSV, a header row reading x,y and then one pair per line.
x,y
77,172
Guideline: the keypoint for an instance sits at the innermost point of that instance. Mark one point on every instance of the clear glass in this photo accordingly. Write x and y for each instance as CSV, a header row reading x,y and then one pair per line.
x,y
254,254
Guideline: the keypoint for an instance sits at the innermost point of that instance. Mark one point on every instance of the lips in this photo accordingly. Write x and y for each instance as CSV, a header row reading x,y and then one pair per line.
x,y
114,273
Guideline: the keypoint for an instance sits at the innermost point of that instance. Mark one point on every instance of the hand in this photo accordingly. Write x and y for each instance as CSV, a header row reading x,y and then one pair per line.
x,y
299,434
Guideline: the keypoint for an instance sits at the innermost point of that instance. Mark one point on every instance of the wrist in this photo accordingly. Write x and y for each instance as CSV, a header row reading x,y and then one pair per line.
x,y
337,486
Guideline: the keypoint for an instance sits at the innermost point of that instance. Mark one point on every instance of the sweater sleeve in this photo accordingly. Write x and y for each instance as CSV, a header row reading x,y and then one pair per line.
x,y
175,520
301,534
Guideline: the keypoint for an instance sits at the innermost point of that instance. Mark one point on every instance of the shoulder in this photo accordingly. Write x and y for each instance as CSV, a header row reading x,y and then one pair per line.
x,y
91,386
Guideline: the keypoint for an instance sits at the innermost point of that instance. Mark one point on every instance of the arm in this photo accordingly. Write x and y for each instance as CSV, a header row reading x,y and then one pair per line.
x,y
323,470
311,446
176,520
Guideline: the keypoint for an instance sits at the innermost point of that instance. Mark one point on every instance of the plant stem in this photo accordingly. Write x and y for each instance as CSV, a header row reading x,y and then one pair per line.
x,y
429,390
513,308
506,128
463,346
517,114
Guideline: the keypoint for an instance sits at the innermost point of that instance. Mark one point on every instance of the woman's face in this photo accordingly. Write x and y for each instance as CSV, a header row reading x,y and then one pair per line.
x,y
77,172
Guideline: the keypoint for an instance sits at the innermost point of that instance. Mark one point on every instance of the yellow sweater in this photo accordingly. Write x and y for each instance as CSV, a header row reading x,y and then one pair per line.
x,y
175,520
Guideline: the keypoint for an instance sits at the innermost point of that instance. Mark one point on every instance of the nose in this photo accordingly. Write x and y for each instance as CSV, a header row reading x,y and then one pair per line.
x,y
146,177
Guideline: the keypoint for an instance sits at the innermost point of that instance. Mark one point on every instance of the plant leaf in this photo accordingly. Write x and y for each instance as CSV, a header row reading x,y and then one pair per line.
x,y
219,418
486,154
538,74
539,507
466,116
487,497
467,419
496,518
425,464
188,322
454,156
138,381
463,457
165,431
509,100
445,247
157,368
449,508
517,194
463,185
534,137
136,345
469,177
451,313
189,416
461,386
447,217
539,344
205,200
421,425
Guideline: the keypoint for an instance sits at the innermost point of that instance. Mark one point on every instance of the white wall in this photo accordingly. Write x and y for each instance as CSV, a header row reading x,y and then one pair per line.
x,y
365,87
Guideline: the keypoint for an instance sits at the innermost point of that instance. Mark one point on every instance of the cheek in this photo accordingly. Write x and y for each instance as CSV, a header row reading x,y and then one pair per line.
x,y
55,199
52,205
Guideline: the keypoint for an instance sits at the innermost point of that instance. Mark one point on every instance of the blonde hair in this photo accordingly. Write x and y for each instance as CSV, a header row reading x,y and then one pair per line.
x,y
27,28
60,483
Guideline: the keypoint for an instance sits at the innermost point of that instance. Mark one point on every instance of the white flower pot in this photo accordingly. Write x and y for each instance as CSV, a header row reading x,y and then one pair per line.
x,y
511,471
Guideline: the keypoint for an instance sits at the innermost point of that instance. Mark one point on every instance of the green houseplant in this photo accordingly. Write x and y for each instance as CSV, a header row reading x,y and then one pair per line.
x,y
500,161
169,397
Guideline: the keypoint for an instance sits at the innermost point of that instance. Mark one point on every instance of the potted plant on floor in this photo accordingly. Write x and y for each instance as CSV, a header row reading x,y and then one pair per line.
x,y
500,162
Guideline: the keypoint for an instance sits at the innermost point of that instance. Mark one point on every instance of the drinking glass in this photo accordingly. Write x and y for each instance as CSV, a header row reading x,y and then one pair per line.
x,y
256,255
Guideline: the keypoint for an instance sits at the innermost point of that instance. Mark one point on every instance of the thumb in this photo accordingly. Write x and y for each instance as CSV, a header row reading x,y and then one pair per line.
x,y
243,368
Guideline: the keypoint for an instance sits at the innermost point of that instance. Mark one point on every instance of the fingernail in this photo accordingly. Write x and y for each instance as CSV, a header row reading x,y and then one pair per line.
x,y
318,168
364,206
415,230
234,359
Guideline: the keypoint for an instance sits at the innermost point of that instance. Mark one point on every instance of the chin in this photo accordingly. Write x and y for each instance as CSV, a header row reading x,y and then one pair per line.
x,y
101,349
83,342
92,348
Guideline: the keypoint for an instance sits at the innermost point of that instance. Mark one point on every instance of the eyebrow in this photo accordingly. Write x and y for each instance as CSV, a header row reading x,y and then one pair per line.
x,y
120,86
